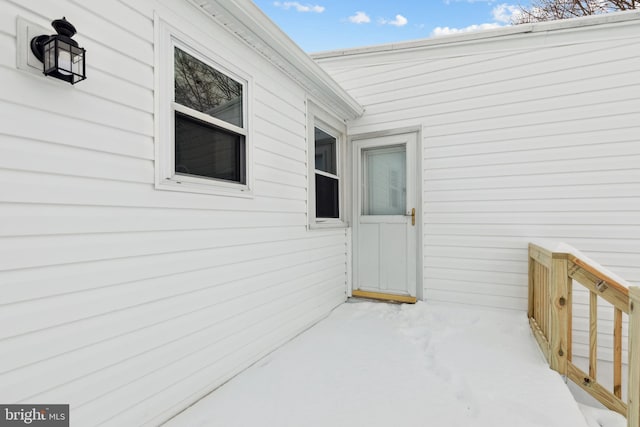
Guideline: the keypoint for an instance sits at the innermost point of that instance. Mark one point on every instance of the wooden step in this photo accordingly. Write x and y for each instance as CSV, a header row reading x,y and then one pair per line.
x,y
384,297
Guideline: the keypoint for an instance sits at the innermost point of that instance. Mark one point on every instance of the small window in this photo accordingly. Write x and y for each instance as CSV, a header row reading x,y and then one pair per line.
x,y
326,162
209,120
327,179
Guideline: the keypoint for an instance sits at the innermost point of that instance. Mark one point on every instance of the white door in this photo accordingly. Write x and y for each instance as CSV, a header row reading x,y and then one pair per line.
x,y
385,215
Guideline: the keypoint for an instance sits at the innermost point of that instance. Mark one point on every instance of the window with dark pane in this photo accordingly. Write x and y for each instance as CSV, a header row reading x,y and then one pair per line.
x,y
327,197
207,90
327,179
204,150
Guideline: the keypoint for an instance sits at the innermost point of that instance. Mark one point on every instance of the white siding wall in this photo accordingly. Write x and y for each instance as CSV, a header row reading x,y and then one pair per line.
x,y
128,302
528,136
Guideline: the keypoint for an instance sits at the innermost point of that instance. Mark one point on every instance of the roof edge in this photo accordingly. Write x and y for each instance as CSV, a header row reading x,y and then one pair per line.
x,y
249,23
537,27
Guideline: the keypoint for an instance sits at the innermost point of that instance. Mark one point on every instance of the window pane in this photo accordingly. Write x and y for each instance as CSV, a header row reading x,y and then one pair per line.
x,y
385,181
325,152
326,197
207,90
205,150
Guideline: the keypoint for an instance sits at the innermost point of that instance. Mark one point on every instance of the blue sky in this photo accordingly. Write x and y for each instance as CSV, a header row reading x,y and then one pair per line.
x,y
335,24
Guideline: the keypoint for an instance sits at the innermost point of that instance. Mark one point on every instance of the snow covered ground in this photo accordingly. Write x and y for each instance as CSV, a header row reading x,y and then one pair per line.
x,y
376,364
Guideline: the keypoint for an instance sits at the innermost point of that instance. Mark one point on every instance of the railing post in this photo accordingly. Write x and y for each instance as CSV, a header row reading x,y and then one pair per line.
x,y
559,329
633,405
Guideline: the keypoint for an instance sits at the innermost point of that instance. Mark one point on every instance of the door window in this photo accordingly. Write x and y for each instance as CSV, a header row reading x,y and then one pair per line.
x,y
385,181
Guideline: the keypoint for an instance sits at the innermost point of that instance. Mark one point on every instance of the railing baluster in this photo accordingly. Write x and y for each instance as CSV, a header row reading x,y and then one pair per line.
x,y
538,294
617,353
532,286
542,299
544,281
570,318
593,334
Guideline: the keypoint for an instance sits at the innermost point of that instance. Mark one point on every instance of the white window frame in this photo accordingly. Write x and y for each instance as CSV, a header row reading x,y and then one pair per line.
x,y
317,117
168,37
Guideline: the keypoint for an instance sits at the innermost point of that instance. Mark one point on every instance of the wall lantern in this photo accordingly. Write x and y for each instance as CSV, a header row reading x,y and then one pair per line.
x,y
61,56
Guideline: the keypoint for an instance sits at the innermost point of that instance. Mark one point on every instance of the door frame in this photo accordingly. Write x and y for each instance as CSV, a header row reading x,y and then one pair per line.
x,y
354,209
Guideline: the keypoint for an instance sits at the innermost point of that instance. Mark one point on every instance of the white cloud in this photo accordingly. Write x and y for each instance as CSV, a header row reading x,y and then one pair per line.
x,y
505,12
360,18
399,21
299,7
444,31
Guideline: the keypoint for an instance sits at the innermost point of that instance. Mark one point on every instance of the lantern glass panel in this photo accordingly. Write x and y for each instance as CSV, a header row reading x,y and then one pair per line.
x,y
77,60
50,56
64,58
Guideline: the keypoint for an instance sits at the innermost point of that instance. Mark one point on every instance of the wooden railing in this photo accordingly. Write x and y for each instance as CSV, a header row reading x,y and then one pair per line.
x,y
551,277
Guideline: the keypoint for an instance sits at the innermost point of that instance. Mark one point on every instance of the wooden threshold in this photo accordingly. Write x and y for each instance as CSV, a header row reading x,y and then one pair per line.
x,y
384,297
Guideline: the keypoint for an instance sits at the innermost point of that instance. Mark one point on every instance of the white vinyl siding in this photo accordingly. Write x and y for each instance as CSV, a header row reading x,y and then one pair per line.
x,y
524,136
127,302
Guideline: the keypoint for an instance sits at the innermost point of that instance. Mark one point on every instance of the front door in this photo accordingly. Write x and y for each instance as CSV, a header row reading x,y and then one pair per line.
x,y
385,217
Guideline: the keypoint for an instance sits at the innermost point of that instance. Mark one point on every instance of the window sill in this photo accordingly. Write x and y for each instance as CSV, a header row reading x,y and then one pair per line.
x,y
242,191
328,225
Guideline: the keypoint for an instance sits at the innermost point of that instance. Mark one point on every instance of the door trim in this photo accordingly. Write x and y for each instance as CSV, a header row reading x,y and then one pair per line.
x,y
352,140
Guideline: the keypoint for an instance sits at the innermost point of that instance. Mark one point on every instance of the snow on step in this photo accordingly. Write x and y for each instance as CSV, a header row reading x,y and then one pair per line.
x,y
375,364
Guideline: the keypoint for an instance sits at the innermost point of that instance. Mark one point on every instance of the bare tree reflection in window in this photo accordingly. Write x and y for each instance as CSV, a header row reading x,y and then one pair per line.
x,y
205,89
